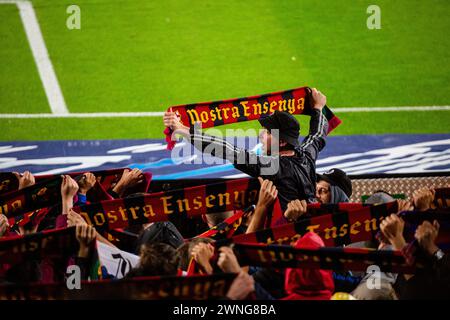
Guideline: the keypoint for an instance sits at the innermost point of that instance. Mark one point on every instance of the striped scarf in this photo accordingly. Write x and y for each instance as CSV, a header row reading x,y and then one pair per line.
x,y
213,114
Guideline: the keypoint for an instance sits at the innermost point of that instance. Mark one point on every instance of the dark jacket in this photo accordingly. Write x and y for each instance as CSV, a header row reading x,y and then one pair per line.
x,y
430,283
294,176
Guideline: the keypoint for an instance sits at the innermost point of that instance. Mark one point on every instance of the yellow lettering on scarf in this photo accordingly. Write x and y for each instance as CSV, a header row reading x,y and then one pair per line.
x,y
257,108
273,104
282,240
223,196
197,203
261,255
112,217
343,230
148,211
204,116
208,199
123,212
182,208
133,212
353,227
166,204
282,105
368,227
289,256
244,105
219,116
235,112
99,219
313,227
193,115
239,199
301,104
225,113
328,230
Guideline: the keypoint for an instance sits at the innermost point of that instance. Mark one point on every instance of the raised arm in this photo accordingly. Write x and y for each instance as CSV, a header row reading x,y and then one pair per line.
x,y
318,127
244,160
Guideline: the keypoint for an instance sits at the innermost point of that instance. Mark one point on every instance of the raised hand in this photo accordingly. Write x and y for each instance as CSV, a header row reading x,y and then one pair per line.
x,y
295,209
392,228
319,99
227,260
267,193
129,179
86,182
25,180
202,254
426,235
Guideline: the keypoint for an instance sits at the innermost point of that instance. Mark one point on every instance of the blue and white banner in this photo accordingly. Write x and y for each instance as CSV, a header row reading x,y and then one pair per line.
x,y
354,154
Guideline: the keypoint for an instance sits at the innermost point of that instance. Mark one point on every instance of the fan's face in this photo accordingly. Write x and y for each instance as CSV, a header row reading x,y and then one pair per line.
x,y
266,139
323,194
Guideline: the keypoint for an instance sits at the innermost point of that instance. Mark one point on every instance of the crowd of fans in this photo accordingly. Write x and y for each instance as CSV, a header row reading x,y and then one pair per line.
x,y
171,249
165,249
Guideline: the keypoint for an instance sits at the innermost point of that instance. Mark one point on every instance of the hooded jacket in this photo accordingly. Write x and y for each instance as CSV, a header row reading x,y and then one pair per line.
x,y
309,284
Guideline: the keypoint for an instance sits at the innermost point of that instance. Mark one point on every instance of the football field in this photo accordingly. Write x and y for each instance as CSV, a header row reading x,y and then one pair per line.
x,y
143,56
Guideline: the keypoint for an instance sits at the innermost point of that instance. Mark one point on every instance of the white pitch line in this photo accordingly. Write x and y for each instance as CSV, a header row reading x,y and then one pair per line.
x,y
39,50
390,109
82,115
160,114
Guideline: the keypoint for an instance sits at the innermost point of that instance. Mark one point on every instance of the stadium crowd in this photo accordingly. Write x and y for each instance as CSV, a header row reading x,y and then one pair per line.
x,y
173,248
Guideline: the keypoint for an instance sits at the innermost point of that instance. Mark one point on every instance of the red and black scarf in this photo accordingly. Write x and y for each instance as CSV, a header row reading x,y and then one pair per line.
x,y
48,244
336,259
47,191
217,113
200,287
175,206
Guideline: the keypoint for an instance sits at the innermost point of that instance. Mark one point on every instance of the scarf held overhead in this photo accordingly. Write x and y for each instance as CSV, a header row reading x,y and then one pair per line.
x,y
335,229
53,243
176,205
47,192
336,259
213,114
172,287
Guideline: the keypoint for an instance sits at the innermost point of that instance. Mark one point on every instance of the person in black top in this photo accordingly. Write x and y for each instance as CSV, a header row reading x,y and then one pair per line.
x,y
290,165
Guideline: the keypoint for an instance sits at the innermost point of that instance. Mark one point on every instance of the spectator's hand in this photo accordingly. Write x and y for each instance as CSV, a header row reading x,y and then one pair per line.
x,y
86,182
404,205
25,180
202,254
69,187
423,198
392,228
85,234
267,193
227,260
319,99
295,209
3,224
129,179
242,286
73,219
426,235
172,121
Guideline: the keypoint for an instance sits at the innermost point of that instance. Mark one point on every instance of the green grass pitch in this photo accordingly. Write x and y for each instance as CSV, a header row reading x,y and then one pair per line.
x,y
145,55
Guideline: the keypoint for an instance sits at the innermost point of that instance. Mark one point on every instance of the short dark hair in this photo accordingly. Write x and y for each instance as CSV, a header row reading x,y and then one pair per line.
x,y
218,217
157,259
184,251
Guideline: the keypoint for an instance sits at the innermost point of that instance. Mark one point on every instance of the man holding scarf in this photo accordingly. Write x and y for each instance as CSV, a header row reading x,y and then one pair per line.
x,y
290,165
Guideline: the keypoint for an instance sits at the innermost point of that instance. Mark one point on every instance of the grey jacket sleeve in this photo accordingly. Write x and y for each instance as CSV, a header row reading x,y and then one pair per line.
x,y
242,159
315,141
